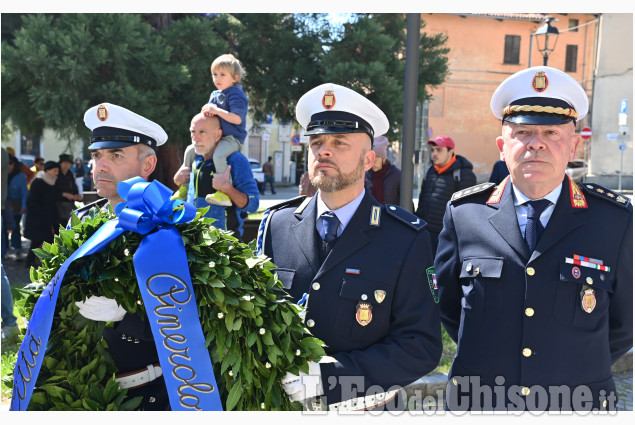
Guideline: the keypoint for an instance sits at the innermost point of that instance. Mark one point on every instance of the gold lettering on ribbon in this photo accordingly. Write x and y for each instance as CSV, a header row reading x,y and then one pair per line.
x,y
168,301
34,349
55,281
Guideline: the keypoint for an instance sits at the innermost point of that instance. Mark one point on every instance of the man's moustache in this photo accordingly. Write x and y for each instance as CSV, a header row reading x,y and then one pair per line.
x,y
327,161
104,175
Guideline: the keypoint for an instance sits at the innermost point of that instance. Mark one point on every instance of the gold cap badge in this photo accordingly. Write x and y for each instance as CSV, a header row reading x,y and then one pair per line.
x,y
102,113
328,100
540,82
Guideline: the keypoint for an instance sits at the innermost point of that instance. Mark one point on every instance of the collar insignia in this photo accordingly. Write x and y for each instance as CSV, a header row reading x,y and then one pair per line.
x,y
375,215
577,197
496,196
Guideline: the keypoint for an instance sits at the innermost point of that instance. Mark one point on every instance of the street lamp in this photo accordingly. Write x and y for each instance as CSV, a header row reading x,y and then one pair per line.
x,y
546,37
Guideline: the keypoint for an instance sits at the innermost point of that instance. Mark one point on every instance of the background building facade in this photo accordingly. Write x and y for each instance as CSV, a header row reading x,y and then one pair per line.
x,y
613,83
484,50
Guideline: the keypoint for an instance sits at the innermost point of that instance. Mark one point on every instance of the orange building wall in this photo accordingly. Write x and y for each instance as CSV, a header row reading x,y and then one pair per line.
x,y
460,106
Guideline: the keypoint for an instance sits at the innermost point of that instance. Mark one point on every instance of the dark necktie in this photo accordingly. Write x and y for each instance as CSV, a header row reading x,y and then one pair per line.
x,y
534,228
331,223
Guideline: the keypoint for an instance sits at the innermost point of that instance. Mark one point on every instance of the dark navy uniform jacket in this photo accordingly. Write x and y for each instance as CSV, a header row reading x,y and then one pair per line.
x,y
520,315
402,342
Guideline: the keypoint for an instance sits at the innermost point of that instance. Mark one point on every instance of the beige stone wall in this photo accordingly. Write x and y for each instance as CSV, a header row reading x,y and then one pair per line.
x,y
460,107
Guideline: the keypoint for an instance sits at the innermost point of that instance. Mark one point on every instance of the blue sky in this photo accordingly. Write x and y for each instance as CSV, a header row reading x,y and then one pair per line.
x,y
339,18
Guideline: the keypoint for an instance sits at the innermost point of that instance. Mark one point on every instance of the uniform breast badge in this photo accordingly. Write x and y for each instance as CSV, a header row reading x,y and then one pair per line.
x,y
380,295
364,313
588,299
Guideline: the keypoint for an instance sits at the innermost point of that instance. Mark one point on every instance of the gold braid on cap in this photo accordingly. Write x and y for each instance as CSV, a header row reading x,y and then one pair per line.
x,y
568,112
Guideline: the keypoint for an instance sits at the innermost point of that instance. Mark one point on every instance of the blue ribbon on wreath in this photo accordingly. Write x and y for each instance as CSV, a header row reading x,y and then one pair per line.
x,y
166,288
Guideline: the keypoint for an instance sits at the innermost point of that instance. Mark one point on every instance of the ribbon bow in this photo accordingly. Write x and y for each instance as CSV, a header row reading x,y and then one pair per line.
x,y
148,206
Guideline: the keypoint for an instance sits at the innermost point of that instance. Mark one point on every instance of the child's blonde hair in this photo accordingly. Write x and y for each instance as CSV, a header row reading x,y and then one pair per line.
x,y
229,61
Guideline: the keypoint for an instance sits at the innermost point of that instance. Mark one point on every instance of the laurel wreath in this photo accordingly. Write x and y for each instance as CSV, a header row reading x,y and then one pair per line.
x,y
253,333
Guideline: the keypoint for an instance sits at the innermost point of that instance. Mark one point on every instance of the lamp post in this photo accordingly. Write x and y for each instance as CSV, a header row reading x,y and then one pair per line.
x,y
546,37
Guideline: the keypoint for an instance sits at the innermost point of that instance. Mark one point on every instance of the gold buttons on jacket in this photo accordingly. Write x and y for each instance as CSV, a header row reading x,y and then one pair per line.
x,y
605,403
526,352
589,280
310,323
525,391
316,286
529,312
454,381
531,271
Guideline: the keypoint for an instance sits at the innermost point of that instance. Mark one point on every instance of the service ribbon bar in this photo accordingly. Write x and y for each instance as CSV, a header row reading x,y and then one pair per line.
x,y
587,264
590,260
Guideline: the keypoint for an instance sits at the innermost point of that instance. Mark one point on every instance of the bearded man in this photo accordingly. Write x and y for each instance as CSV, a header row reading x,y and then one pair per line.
x,y
362,270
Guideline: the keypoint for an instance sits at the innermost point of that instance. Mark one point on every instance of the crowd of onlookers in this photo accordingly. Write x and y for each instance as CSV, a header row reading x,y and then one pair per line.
x,y
39,199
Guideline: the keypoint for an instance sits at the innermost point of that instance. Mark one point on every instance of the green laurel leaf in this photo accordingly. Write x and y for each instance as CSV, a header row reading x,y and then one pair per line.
x,y
234,396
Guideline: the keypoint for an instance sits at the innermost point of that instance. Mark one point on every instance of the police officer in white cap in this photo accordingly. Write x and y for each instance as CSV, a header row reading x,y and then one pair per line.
x,y
357,266
123,145
536,275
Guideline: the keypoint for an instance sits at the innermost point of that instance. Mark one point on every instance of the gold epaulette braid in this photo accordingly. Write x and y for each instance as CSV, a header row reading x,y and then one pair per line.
x,y
569,112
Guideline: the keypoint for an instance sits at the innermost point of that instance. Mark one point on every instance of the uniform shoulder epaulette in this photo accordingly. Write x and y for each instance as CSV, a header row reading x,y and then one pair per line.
x,y
606,194
84,211
405,217
288,203
299,201
479,188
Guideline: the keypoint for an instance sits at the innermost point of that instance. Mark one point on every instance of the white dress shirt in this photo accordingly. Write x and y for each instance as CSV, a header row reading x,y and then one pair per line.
x,y
520,203
344,214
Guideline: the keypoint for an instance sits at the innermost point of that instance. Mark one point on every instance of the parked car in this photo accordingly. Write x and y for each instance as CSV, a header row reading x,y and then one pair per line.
x,y
576,169
27,159
256,168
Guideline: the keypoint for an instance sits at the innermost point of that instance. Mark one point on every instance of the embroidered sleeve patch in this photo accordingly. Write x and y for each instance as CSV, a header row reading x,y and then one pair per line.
x,y
432,281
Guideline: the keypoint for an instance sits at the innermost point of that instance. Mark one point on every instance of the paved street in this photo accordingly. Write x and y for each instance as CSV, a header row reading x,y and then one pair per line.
x,y
282,193
624,385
